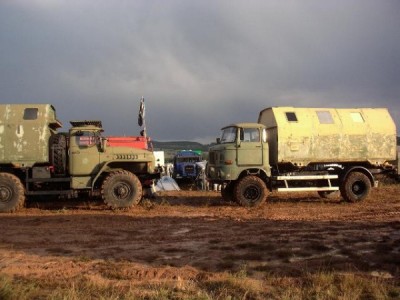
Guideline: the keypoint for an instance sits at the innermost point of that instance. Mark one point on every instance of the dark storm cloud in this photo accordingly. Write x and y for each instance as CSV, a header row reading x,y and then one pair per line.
x,y
199,64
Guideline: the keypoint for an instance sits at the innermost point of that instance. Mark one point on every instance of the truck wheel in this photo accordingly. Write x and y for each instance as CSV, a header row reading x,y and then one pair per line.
x,y
59,159
227,192
12,193
250,191
356,187
121,189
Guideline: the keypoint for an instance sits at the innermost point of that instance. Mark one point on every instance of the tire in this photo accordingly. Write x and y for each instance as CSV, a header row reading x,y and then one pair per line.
x,y
329,194
12,193
356,187
227,192
250,191
121,189
59,154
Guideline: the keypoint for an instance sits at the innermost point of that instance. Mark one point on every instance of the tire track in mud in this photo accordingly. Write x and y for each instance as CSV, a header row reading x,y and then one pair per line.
x,y
211,245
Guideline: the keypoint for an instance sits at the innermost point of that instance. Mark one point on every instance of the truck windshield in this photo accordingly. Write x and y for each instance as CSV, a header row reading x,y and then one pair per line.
x,y
188,159
228,135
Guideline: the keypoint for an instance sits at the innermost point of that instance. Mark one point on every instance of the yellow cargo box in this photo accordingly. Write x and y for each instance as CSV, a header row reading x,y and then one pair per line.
x,y
301,136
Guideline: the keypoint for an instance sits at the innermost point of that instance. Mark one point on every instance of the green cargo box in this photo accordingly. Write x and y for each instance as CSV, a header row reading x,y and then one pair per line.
x,y
25,130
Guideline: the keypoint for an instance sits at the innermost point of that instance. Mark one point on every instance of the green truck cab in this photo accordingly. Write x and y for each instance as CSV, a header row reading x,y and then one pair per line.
x,y
37,160
242,147
328,150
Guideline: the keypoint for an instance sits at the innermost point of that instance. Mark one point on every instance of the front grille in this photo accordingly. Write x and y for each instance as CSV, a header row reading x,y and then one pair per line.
x,y
189,169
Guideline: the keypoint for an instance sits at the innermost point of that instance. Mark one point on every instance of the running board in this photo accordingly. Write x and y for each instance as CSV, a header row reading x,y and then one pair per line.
x,y
308,189
328,178
307,177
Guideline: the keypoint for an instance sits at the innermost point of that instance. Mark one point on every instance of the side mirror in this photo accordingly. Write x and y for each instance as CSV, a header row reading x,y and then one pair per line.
x,y
218,140
103,144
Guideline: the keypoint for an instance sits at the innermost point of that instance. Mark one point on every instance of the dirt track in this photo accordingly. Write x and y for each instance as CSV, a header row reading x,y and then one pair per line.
x,y
183,235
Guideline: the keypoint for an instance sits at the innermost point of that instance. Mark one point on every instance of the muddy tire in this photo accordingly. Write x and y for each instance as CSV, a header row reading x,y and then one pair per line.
x,y
329,194
121,189
250,191
356,187
12,193
59,154
227,192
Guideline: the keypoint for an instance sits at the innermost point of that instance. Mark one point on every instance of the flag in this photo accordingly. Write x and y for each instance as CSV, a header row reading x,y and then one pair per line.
x,y
141,112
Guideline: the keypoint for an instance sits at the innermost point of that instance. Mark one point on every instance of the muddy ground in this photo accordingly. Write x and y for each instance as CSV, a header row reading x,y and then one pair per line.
x,y
190,234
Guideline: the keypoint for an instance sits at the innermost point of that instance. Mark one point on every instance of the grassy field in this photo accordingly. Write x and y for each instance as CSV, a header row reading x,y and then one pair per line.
x,y
322,285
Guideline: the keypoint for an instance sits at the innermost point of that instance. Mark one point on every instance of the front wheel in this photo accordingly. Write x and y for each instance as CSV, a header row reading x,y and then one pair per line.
x,y
355,187
12,193
121,189
250,191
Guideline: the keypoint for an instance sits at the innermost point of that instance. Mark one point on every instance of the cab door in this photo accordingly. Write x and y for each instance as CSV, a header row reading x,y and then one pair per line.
x,y
84,153
249,147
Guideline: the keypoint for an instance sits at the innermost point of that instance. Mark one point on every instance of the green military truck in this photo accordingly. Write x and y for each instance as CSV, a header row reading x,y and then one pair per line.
x,y
331,151
37,160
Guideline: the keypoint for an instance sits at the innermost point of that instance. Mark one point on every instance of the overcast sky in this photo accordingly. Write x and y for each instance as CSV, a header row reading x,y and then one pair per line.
x,y
199,64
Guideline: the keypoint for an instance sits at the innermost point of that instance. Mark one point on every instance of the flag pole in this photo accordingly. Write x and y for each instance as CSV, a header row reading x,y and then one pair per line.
x,y
144,120
141,117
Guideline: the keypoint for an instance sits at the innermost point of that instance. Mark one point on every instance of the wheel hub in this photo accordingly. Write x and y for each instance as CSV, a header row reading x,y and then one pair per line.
x,y
252,193
358,188
5,194
121,191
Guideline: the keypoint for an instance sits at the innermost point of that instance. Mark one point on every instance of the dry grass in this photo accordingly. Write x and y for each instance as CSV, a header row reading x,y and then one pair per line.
x,y
321,285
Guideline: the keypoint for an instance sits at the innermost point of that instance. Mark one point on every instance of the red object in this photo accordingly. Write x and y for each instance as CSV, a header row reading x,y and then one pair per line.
x,y
128,141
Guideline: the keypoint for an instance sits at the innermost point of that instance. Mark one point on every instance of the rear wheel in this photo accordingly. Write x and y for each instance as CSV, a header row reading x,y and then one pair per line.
x,y
122,189
12,193
356,187
250,191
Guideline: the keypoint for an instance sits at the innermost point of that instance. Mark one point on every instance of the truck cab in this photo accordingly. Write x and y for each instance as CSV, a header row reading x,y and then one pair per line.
x,y
242,147
185,164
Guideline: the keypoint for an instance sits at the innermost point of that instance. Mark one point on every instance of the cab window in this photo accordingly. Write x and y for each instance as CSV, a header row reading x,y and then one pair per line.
x,y
250,135
30,113
228,135
87,138
291,116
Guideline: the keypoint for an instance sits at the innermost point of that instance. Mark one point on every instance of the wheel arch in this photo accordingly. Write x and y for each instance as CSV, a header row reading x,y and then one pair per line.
x,y
255,172
360,169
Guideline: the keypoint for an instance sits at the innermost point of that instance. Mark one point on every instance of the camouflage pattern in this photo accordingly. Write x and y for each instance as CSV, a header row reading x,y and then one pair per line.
x,y
25,130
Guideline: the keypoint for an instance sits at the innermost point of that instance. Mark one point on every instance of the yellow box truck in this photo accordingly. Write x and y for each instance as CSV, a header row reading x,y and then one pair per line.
x,y
328,150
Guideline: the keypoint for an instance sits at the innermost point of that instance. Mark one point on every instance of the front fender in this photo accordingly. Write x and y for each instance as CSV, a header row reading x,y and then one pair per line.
x,y
254,171
104,169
